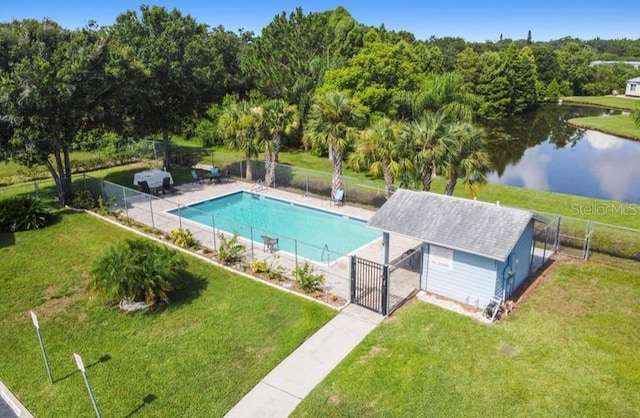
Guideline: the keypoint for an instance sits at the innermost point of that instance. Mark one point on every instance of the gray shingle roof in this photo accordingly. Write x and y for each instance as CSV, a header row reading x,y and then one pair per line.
x,y
461,224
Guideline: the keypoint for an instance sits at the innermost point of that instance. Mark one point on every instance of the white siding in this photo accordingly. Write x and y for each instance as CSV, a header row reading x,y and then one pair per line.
x,y
471,279
633,89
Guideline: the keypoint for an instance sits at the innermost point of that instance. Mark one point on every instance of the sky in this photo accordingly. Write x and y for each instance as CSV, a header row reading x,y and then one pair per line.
x,y
472,20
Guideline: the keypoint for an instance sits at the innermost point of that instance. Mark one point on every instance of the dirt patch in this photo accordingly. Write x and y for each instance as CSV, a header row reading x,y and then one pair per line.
x,y
56,300
506,349
374,351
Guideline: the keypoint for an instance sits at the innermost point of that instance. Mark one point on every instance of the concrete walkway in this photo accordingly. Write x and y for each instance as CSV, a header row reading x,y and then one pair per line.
x,y
278,394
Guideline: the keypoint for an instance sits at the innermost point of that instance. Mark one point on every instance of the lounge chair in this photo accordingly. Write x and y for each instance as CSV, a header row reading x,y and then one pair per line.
x,y
144,186
338,198
270,244
196,176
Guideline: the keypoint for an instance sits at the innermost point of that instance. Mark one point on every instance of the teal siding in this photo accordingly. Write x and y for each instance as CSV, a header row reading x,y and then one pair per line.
x,y
516,269
471,279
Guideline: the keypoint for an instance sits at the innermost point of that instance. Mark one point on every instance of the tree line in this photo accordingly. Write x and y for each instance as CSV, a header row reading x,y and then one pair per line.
x,y
380,100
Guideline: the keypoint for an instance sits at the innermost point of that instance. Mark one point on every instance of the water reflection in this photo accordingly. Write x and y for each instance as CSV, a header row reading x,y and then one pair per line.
x,y
540,151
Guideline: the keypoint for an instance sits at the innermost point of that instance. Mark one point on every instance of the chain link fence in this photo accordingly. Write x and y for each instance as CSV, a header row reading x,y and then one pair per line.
x,y
160,216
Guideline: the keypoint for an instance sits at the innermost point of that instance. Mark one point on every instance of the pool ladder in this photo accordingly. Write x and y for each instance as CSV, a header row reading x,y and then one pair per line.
x,y
326,249
258,186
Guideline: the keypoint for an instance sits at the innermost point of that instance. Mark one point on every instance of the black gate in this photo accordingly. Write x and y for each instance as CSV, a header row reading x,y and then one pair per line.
x,y
370,285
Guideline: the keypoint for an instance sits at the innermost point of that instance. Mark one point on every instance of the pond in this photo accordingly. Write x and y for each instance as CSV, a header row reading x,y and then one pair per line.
x,y
539,150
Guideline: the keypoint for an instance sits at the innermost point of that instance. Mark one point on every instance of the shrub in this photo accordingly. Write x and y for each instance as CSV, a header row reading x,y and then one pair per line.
x,y
22,213
183,238
259,266
230,250
276,270
84,200
136,270
306,279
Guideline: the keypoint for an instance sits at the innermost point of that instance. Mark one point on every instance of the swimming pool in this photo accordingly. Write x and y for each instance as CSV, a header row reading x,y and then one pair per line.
x,y
311,233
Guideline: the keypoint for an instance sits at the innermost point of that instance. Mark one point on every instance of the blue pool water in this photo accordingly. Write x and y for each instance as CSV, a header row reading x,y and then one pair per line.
x,y
300,229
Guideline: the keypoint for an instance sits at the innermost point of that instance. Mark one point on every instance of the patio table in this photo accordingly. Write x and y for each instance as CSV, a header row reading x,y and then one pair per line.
x,y
152,177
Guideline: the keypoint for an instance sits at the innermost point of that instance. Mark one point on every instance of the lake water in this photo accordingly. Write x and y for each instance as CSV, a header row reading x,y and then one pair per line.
x,y
540,151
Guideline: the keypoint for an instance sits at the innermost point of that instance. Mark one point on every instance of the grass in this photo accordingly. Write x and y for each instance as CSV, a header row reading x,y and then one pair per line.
x,y
623,103
221,334
572,349
620,125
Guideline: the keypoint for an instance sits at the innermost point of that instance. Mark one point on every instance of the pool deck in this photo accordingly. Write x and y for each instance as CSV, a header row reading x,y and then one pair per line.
x,y
154,212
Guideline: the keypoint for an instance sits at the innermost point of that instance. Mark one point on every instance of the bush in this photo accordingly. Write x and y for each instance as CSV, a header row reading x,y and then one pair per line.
x,y
230,250
276,270
22,213
183,238
84,200
259,266
306,279
136,270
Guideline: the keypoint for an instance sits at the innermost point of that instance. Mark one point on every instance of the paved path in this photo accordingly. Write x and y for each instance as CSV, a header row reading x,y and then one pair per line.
x,y
10,406
278,394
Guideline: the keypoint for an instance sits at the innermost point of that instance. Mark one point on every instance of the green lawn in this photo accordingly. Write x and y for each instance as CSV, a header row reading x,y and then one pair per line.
x,y
606,101
620,125
198,357
572,349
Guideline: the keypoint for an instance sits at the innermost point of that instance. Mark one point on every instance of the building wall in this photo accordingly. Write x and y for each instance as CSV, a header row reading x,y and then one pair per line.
x,y
633,89
463,277
517,268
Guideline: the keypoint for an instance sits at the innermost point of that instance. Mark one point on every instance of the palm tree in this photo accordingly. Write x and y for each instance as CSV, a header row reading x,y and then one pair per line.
x,y
239,127
332,119
424,144
378,152
443,93
277,119
467,159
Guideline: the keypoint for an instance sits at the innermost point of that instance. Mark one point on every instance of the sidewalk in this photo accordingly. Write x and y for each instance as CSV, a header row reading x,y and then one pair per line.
x,y
278,394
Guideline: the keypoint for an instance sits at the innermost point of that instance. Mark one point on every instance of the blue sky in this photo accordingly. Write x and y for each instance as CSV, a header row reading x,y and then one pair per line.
x,y
473,20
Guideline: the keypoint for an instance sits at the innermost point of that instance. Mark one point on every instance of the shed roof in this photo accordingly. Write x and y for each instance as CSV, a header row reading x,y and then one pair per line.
x,y
470,226
634,80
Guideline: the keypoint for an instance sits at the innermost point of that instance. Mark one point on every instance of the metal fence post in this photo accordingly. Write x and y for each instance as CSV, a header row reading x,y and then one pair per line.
x,y
124,199
385,289
153,224
251,235
213,229
240,168
352,276
35,187
84,180
295,246
557,244
102,191
180,216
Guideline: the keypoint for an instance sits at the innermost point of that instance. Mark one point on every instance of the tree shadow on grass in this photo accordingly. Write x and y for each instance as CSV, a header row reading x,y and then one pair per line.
x,y
189,288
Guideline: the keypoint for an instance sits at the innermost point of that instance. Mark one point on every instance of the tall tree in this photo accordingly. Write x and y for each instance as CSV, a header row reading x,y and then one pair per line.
x,y
185,71
376,73
60,83
445,93
277,119
332,122
493,85
240,127
466,159
377,151
424,143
